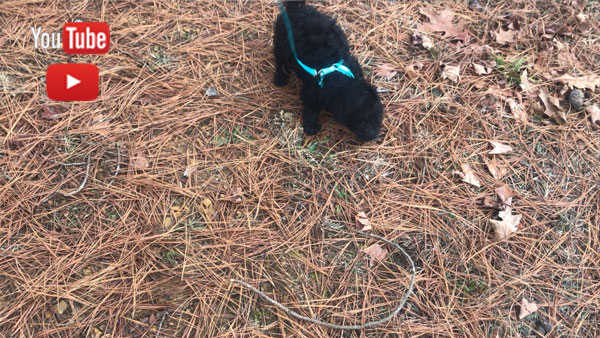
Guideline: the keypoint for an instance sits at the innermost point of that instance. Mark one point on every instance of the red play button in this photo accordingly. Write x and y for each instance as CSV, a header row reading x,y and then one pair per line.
x,y
72,82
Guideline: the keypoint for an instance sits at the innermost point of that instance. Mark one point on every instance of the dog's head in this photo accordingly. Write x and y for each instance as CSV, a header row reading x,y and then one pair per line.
x,y
363,111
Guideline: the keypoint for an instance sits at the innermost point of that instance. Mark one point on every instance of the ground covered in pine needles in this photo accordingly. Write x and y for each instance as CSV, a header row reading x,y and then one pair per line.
x,y
128,216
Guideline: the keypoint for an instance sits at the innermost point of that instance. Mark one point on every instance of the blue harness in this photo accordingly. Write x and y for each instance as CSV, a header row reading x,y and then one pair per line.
x,y
336,67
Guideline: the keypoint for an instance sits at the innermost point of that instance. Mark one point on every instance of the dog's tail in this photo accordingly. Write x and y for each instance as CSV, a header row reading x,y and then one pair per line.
x,y
293,4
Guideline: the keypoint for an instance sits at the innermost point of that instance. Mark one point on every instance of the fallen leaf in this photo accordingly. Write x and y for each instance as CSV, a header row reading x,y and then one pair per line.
x,y
412,70
507,225
502,93
97,332
468,175
504,37
527,308
386,71
61,307
500,148
565,57
376,252
513,22
422,39
581,82
179,211
362,222
525,85
206,209
234,195
442,23
517,110
553,109
489,202
496,168
505,193
480,69
594,112
451,72
552,30
584,25
140,162
168,222
49,113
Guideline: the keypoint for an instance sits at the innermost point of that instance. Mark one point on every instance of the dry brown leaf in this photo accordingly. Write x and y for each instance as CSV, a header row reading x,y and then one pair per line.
x,y
525,85
234,195
527,308
179,211
412,70
517,110
581,82
442,23
386,71
206,209
362,222
468,175
513,22
505,193
507,225
49,113
594,112
140,163
421,39
500,148
376,252
553,109
566,58
502,93
504,37
480,69
496,168
489,202
451,72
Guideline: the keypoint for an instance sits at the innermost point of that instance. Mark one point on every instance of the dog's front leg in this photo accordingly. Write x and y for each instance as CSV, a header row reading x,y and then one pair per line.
x,y
310,120
310,113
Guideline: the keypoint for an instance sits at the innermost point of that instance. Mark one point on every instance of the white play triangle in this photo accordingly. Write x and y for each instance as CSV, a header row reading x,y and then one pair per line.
x,y
72,82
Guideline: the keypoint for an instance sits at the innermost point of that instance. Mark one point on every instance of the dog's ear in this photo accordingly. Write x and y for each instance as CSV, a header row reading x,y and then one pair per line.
x,y
293,4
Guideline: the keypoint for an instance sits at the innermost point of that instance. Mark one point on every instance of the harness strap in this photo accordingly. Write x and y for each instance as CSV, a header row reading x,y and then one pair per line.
x,y
336,67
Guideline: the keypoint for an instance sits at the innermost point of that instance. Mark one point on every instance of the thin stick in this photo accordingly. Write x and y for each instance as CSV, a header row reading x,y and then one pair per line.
x,y
345,327
118,164
61,163
87,173
161,323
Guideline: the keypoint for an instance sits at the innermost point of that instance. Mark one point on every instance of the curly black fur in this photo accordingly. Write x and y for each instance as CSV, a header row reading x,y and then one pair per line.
x,y
320,42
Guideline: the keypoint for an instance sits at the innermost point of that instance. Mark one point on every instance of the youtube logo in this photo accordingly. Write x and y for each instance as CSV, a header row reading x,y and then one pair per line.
x,y
72,82
86,38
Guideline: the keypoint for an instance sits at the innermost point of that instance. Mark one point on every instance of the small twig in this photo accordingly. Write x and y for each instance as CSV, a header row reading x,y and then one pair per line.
x,y
118,165
345,327
161,323
87,173
62,163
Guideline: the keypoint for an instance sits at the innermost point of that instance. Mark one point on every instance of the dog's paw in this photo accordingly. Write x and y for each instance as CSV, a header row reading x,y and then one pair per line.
x,y
311,128
280,80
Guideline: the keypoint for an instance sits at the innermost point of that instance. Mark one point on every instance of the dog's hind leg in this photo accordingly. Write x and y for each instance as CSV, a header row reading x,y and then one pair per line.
x,y
281,77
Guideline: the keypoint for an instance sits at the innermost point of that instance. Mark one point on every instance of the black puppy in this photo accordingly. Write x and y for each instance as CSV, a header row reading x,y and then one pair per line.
x,y
320,43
